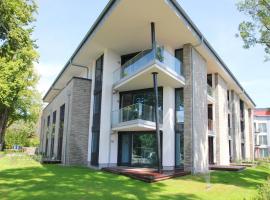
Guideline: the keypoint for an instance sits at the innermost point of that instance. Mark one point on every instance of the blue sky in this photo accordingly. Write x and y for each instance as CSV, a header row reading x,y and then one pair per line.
x,y
62,24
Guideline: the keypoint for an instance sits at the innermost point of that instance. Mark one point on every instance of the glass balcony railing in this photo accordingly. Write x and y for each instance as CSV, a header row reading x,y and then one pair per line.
x,y
135,112
210,91
144,59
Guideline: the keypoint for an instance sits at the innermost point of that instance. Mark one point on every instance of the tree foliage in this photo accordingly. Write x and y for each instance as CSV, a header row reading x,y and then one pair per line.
x,y
23,134
18,79
256,30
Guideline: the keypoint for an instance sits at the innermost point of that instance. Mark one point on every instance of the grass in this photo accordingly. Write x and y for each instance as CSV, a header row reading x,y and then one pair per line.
x,y
23,178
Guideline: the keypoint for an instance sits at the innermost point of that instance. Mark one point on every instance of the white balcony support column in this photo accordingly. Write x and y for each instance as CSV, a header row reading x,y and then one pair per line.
x,y
248,144
195,105
114,136
251,133
236,130
168,153
91,112
221,121
111,63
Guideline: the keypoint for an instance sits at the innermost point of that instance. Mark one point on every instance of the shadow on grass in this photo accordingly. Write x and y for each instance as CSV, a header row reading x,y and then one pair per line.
x,y
56,182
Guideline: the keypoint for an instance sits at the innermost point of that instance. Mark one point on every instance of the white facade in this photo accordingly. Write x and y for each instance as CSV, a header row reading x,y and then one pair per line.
x,y
191,137
262,135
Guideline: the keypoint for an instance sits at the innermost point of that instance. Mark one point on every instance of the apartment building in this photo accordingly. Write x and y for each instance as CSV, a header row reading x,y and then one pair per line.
x,y
262,132
103,110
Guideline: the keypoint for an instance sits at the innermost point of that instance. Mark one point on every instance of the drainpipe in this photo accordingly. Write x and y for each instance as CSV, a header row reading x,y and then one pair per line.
x,y
157,122
154,45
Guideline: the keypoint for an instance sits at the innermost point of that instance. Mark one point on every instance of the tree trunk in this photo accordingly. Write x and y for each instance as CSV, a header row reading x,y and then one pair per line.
x,y
3,124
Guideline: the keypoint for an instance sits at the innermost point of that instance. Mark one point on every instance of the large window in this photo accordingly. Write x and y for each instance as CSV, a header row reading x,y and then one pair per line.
x,y
264,153
263,140
97,111
179,54
137,149
47,134
179,109
179,128
262,127
140,103
145,96
53,133
61,132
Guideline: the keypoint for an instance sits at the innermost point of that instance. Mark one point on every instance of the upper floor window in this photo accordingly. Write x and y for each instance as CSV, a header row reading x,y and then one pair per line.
x,y
48,120
262,127
262,140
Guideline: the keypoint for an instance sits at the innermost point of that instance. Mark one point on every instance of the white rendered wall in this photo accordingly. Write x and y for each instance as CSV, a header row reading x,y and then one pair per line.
x,y
111,63
236,135
222,132
114,136
168,157
92,76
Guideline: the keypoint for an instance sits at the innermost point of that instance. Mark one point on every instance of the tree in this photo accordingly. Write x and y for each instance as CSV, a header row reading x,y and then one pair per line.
x,y
18,78
257,29
22,133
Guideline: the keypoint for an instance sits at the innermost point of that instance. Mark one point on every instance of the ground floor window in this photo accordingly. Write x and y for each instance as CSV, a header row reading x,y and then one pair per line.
x,y
179,128
179,150
264,153
137,149
243,152
230,150
211,150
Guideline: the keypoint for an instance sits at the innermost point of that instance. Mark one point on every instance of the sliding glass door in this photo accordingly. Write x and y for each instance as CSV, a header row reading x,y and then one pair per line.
x,y
137,149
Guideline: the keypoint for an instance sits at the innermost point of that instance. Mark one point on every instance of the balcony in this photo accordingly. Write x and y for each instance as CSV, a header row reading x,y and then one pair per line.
x,y
136,73
136,117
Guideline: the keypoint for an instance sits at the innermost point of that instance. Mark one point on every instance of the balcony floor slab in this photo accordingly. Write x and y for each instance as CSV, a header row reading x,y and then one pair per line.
x,y
135,125
143,78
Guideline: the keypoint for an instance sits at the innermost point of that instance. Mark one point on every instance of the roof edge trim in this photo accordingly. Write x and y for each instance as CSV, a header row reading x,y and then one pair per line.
x,y
200,35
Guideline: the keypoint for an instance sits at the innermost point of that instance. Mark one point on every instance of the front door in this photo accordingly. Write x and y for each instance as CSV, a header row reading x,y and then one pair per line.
x,y
211,150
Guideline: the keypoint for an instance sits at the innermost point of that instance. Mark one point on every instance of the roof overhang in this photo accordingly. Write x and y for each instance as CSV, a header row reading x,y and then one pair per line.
x,y
124,27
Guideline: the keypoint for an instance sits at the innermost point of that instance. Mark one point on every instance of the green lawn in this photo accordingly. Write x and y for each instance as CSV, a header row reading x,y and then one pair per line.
x,y
24,178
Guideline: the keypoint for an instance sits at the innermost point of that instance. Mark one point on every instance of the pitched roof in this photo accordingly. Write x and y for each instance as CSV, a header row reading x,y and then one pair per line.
x,y
262,112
